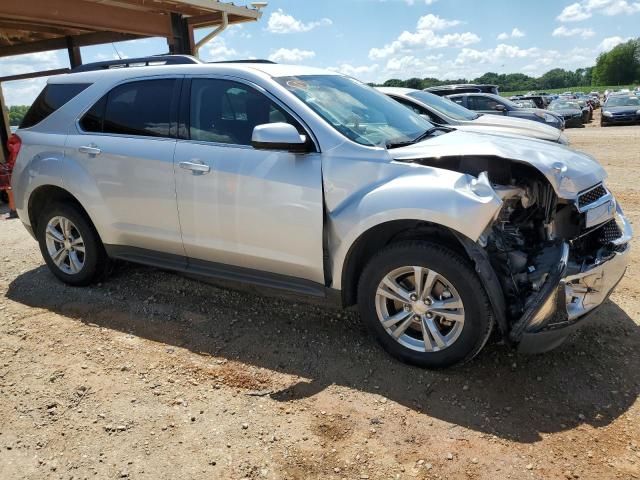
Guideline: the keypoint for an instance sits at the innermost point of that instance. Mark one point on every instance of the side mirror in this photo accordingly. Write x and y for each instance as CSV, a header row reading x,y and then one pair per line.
x,y
499,107
278,136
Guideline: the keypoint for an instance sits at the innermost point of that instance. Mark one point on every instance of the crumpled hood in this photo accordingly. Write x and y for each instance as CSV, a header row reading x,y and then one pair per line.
x,y
518,126
568,171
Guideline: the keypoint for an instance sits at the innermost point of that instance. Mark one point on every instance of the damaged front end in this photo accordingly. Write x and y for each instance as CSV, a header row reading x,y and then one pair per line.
x,y
556,259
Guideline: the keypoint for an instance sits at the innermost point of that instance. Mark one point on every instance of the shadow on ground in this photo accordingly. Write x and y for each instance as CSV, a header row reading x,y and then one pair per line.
x,y
594,378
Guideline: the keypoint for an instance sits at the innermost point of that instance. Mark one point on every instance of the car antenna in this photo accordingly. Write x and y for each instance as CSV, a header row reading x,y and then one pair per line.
x,y
116,50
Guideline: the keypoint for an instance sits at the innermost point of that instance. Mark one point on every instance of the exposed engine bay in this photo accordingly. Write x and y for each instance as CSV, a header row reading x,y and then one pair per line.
x,y
534,228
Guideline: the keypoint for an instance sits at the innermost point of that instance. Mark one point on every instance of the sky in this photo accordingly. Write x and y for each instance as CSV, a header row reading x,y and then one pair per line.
x,y
374,40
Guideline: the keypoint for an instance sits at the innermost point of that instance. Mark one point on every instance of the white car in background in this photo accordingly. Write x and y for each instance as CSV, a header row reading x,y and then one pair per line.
x,y
442,111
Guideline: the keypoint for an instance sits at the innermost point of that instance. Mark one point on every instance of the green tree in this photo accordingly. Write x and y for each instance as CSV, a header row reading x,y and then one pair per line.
x,y
16,113
618,66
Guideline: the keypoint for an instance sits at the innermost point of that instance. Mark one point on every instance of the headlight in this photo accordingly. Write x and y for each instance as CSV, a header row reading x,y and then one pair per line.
x,y
637,112
607,114
549,118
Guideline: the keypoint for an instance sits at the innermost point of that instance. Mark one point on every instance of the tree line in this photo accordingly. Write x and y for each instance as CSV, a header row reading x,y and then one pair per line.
x,y
619,66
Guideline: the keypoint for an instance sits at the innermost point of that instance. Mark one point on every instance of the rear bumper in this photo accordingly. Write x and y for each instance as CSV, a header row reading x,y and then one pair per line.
x,y
573,122
570,301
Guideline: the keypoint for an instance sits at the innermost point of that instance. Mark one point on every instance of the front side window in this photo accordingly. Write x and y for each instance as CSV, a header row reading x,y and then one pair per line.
x,y
224,111
357,111
136,108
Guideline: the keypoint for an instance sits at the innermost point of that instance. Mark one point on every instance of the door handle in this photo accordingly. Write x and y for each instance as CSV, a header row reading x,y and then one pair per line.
x,y
90,149
195,167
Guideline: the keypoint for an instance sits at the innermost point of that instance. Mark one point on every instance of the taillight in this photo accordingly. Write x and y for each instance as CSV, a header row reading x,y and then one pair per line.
x,y
13,145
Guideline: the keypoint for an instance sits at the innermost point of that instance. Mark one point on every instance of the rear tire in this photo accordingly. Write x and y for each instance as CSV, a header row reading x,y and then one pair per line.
x,y
70,245
432,277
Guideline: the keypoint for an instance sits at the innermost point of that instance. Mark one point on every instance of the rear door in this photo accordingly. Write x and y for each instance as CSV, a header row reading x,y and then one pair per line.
x,y
124,152
258,210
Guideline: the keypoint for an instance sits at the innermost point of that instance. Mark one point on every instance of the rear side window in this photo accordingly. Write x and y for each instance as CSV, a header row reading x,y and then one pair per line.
x,y
136,108
51,99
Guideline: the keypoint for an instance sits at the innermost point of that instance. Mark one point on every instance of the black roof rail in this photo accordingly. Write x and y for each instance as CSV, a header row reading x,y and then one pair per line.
x,y
137,62
253,60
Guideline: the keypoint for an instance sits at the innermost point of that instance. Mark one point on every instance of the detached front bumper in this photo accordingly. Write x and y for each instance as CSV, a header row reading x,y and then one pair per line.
x,y
572,294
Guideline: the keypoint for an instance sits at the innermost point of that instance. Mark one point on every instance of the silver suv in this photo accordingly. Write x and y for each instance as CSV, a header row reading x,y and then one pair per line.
x,y
309,181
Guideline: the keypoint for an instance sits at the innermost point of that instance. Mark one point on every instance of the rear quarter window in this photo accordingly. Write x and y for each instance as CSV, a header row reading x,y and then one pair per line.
x,y
51,99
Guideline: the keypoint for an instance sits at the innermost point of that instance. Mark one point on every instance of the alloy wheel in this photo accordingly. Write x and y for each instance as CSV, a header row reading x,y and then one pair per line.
x,y
420,308
65,245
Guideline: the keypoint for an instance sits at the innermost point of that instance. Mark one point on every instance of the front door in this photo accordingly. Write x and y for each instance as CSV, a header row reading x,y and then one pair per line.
x,y
256,209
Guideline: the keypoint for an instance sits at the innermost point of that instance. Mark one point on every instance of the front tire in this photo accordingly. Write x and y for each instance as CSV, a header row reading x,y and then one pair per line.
x,y
425,304
70,245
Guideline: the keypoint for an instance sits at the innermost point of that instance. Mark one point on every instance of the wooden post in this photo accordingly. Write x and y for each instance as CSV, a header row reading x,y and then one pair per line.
x,y
75,58
180,41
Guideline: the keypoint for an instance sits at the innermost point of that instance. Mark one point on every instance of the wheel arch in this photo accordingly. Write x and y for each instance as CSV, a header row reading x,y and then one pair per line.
x,y
383,234
48,194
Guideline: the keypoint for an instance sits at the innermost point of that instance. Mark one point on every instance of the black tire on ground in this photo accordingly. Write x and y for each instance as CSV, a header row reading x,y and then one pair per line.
x,y
95,257
478,322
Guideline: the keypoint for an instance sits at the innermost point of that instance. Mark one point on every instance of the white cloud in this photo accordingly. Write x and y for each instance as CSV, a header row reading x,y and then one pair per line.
x,y
364,73
293,55
585,9
426,2
610,42
23,92
217,50
425,37
495,55
435,23
515,33
280,22
563,31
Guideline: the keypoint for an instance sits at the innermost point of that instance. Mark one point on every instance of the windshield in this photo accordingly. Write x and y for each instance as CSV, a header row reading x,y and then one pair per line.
x,y
564,106
357,111
623,102
444,105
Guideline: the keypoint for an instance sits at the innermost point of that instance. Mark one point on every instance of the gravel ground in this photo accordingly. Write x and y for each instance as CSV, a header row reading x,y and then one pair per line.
x,y
153,375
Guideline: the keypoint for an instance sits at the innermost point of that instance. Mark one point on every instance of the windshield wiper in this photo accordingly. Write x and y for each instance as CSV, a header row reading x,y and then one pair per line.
x,y
420,137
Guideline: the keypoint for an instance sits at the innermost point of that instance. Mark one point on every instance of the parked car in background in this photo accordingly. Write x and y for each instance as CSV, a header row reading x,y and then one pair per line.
x,y
569,110
308,181
487,103
620,109
443,111
523,103
444,90
539,101
587,109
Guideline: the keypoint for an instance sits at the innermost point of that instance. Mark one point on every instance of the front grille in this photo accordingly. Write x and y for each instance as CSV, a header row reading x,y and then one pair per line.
x,y
609,232
590,196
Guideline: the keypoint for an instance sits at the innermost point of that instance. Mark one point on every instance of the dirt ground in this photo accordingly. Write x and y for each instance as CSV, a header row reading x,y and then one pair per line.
x,y
151,375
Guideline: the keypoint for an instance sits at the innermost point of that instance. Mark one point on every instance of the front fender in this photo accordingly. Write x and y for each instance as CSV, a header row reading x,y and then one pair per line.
x,y
459,202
